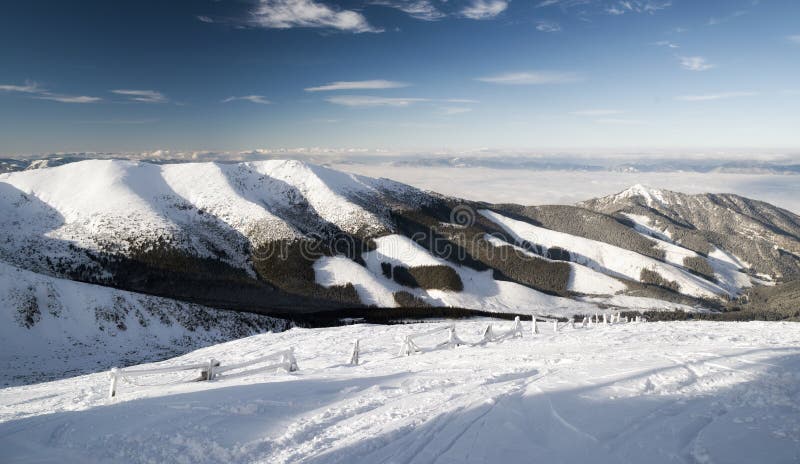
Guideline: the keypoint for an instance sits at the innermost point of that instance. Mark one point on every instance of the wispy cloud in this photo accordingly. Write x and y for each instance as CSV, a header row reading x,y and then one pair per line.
x,y
695,63
596,112
32,88
28,87
547,26
484,9
204,19
666,43
794,39
725,19
357,85
260,99
532,78
616,8
68,98
715,96
372,101
287,14
419,9
620,122
142,96
453,110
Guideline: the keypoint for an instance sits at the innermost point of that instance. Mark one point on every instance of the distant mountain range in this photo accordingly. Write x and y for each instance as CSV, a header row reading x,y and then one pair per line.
x,y
122,247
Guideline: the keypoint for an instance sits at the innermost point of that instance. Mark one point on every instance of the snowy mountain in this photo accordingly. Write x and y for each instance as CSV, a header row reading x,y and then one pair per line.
x,y
288,236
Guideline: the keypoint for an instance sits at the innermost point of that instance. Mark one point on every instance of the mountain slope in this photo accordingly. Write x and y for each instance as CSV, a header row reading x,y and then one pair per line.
x,y
762,237
54,327
289,236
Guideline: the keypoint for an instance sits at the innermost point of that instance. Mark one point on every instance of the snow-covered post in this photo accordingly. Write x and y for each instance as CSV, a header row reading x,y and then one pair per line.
x,y
452,339
354,354
534,327
488,334
605,318
289,359
555,326
626,319
211,363
516,329
405,349
585,321
572,322
114,376
596,318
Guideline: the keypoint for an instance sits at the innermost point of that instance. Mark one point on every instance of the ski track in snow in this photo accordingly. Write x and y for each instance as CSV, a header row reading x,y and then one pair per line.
x,y
681,392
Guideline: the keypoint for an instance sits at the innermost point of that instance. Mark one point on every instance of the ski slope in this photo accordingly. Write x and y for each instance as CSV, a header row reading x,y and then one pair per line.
x,y
678,392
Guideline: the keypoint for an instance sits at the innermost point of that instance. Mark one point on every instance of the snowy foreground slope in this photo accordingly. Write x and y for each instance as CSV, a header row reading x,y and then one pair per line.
x,y
52,328
628,393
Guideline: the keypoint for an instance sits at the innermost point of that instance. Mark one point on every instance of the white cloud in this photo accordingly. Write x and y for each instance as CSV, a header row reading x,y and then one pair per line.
x,y
484,9
36,92
68,98
204,19
142,96
28,87
532,78
357,85
547,26
371,101
452,110
695,63
715,96
618,7
666,43
725,19
620,122
286,14
794,39
260,99
420,9
599,112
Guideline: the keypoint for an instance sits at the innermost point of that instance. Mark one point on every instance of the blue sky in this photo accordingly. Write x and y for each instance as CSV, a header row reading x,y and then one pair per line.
x,y
233,75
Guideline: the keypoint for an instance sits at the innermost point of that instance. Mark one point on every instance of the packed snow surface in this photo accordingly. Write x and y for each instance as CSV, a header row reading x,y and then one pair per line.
x,y
680,392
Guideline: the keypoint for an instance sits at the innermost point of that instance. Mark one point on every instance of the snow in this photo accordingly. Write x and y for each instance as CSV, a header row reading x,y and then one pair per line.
x,y
604,257
726,266
202,207
582,279
481,290
652,392
79,327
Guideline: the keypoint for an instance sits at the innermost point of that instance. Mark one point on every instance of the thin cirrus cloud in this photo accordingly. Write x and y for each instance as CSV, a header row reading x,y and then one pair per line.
x,y
695,63
547,26
532,78
419,9
357,85
365,101
259,99
32,88
287,14
795,39
715,96
596,112
484,9
142,96
616,8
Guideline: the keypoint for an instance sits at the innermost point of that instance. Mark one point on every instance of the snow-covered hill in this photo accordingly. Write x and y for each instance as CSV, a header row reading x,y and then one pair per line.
x,y
656,392
51,328
291,236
